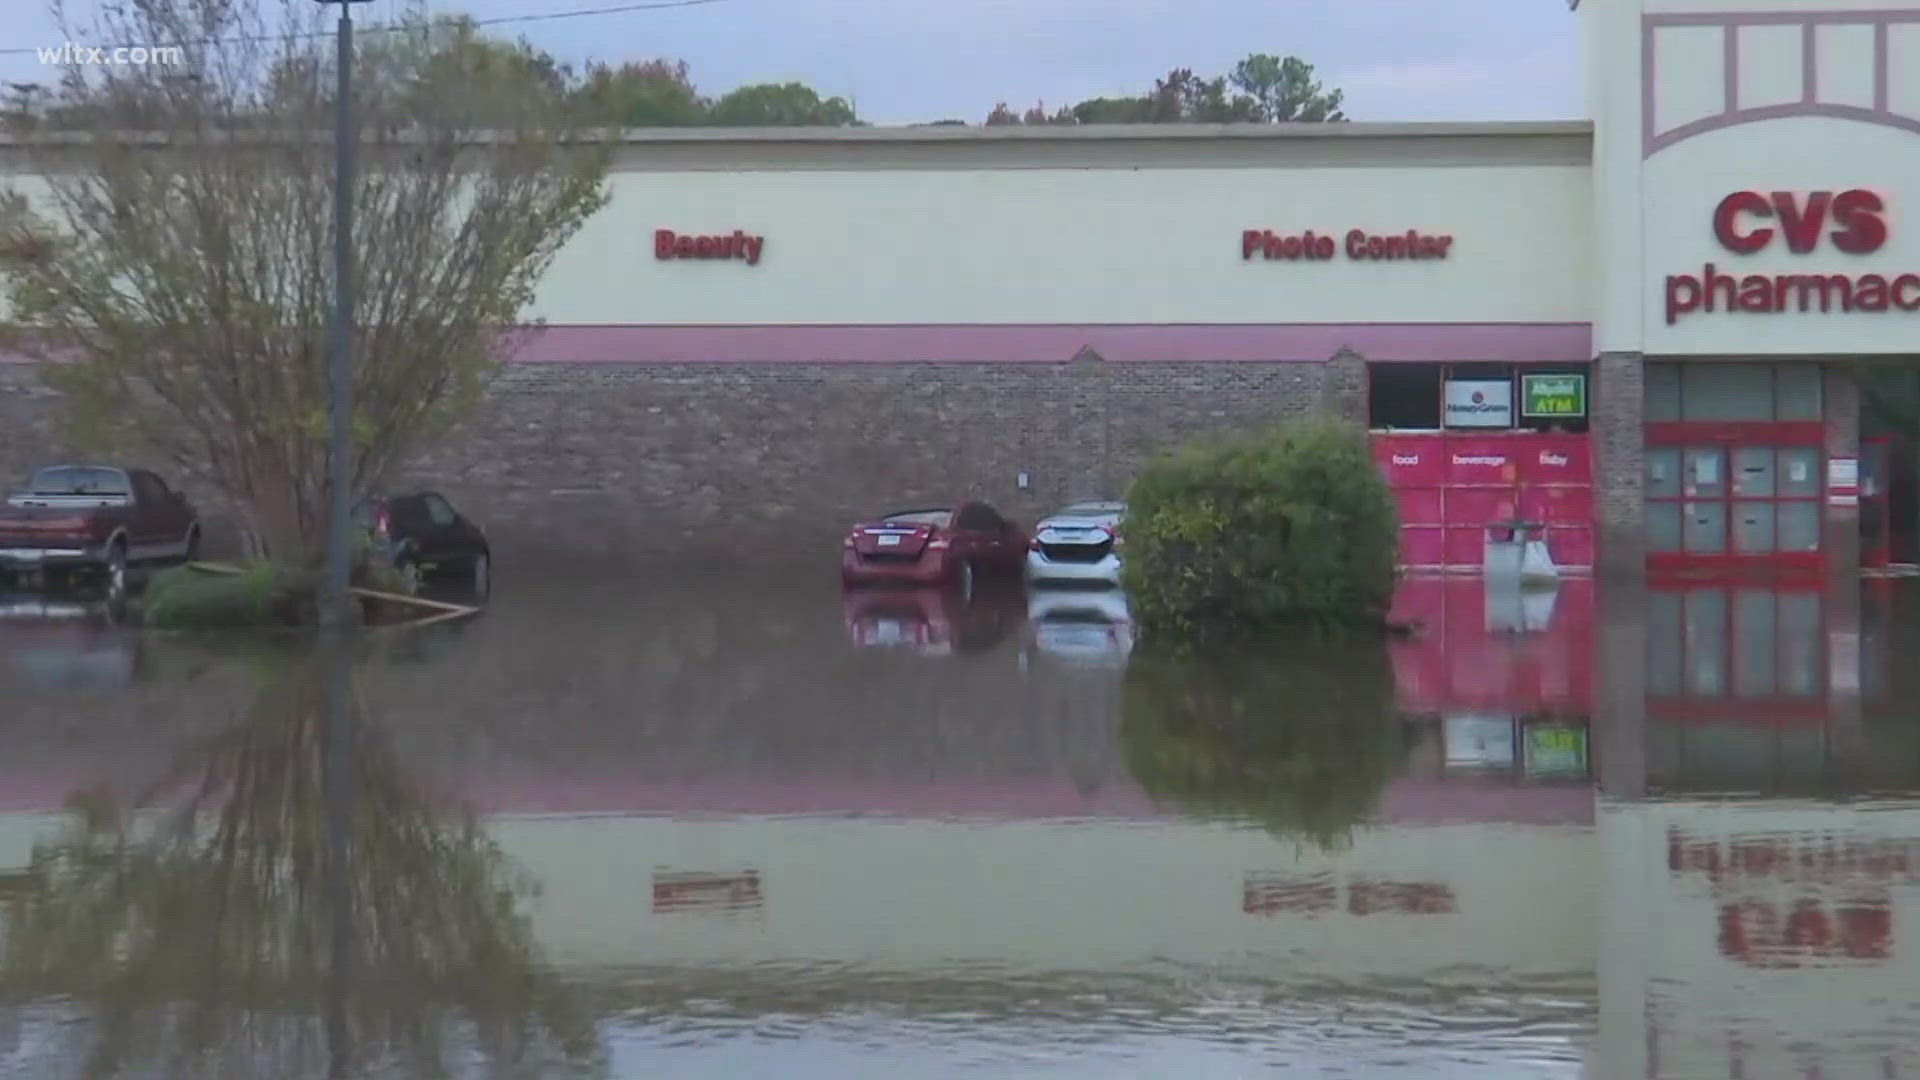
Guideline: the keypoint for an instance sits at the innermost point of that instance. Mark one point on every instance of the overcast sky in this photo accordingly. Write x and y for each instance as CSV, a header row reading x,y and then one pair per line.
x,y
920,60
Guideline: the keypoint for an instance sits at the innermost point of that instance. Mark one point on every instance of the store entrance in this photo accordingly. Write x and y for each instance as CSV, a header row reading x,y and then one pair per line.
x,y
1734,466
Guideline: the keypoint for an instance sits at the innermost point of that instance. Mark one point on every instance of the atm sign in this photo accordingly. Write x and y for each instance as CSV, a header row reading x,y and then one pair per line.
x,y
1549,396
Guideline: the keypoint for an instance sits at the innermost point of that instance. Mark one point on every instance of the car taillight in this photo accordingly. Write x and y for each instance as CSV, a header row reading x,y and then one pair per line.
x,y
1033,544
939,543
1113,534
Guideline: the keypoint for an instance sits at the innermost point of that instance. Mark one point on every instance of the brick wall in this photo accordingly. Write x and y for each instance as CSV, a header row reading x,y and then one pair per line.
x,y
1619,440
609,460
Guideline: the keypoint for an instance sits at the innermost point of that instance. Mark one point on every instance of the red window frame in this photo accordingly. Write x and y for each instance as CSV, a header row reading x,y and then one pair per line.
x,y
1691,435
1731,436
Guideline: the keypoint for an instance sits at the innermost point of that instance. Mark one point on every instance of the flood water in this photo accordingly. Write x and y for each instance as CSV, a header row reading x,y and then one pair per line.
x,y
730,827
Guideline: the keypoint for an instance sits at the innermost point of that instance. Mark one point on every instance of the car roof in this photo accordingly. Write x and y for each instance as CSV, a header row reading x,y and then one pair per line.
x,y
1092,506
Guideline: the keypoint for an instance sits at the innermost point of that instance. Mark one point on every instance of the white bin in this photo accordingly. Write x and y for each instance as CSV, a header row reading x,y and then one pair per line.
x,y
1516,557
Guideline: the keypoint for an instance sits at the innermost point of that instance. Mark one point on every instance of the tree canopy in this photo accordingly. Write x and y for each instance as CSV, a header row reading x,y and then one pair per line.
x,y
183,282
1262,89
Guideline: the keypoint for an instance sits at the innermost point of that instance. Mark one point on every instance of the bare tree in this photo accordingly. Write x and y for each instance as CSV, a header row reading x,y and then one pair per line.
x,y
180,231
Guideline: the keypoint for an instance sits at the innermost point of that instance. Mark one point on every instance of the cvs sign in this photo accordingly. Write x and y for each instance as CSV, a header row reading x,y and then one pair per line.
x,y
1740,221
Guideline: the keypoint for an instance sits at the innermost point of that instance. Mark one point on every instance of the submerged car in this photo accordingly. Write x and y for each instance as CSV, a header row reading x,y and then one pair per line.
x,y
960,548
95,521
1082,626
928,622
422,536
1080,543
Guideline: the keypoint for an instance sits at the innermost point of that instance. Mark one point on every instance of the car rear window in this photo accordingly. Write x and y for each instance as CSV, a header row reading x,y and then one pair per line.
x,y
78,480
1092,510
936,518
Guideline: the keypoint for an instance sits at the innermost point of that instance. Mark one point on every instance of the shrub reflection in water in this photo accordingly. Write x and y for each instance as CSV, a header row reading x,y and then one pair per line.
x,y
1297,734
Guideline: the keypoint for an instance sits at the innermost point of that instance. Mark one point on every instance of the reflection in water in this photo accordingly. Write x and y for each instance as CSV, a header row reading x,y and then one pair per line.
x,y
204,927
728,829
1299,736
65,643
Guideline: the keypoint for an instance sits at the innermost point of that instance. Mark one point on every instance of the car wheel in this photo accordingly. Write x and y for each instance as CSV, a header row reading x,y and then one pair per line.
x,y
409,572
116,572
480,576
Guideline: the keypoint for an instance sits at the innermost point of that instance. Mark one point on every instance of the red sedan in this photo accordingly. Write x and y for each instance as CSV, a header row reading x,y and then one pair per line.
x,y
954,548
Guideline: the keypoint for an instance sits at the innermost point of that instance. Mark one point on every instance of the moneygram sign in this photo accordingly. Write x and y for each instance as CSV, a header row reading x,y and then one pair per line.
x,y
1479,403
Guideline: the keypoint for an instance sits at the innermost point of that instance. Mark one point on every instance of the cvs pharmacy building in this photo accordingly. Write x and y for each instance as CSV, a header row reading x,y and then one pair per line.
x,y
1756,259
1648,332
1757,237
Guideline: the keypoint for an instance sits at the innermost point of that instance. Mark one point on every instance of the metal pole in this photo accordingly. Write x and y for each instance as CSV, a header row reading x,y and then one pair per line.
x,y
340,359
338,723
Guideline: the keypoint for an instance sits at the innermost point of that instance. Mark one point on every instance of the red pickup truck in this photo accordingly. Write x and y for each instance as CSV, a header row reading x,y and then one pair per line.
x,y
96,519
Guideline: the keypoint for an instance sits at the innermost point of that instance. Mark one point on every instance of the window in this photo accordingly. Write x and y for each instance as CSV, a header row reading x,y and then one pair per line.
x,y
79,480
1404,396
974,517
1732,393
439,512
936,518
1411,397
148,489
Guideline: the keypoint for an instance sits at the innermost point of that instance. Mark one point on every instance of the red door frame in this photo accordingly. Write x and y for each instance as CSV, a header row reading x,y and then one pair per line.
x,y
1683,435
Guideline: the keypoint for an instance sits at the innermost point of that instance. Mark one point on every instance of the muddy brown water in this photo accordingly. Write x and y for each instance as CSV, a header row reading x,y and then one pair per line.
x,y
728,827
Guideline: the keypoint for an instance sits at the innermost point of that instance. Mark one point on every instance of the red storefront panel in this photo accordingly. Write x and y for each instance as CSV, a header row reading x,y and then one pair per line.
x,y
1419,506
1557,505
1411,460
1482,459
1555,459
1466,545
1482,506
1423,545
1470,658
1571,545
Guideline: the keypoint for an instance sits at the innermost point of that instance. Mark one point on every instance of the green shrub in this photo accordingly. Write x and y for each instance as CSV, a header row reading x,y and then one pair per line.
x,y
1297,735
260,595
1288,527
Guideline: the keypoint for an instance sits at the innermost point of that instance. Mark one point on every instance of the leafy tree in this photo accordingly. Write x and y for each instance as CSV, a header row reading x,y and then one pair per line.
x,y
1109,110
1285,90
1260,89
655,93
780,105
184,279
1003,116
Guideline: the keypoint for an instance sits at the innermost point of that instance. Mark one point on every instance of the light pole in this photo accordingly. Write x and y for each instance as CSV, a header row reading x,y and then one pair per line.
x,y
340,334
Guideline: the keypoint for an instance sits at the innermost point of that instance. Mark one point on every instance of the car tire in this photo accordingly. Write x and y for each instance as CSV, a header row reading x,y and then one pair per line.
x,y
409,571
480,576
115,572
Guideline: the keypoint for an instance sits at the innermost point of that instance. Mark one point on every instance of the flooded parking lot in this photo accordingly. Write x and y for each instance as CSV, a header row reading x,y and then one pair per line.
x,y
735,827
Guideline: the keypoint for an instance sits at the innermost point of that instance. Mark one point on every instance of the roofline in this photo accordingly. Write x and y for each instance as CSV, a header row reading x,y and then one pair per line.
x,y
940,147
943,133
948,133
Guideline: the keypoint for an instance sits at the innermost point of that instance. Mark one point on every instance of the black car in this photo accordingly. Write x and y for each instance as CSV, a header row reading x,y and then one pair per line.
x,y
423,536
